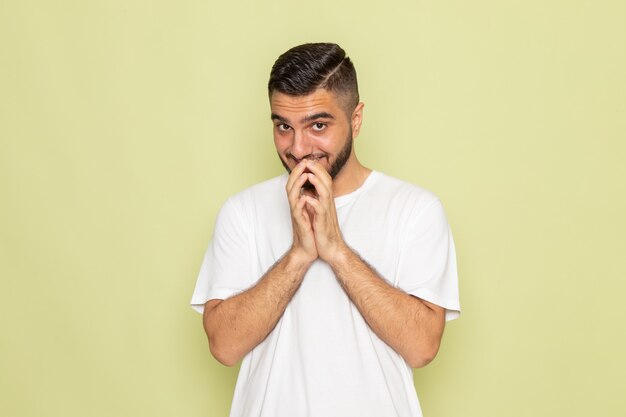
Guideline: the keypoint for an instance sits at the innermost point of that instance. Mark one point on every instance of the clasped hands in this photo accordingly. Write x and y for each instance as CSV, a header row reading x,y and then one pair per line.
x,y
316,232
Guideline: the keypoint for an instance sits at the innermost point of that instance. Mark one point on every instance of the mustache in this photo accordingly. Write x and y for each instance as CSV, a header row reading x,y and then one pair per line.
x,y
310,157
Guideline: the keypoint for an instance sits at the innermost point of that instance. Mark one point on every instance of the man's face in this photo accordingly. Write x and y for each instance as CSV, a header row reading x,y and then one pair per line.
x,y
311,127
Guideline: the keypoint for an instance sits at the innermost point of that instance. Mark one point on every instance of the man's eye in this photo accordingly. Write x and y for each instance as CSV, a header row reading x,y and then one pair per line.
x,y
319,126
283,127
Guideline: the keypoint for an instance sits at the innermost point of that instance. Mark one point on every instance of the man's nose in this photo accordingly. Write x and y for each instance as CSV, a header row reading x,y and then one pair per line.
x,y
302,145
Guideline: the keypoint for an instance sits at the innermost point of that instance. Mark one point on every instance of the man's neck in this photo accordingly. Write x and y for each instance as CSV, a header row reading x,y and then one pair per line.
x,y
351,177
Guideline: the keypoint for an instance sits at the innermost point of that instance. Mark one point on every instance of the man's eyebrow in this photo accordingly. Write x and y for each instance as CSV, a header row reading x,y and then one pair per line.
x,y
321,115
279,118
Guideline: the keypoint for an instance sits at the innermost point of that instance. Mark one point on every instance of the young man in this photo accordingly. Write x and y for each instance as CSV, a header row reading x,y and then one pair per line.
x,y
332,281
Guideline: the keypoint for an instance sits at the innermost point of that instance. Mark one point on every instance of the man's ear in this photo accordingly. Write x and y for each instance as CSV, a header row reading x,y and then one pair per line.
x,y
357,119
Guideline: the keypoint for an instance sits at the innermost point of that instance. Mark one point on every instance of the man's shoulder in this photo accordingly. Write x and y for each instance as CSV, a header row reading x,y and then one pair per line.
x,y
403,191
270,190
274,184
407,202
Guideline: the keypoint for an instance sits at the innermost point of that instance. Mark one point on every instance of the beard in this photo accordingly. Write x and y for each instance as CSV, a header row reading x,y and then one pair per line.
x,y
335,167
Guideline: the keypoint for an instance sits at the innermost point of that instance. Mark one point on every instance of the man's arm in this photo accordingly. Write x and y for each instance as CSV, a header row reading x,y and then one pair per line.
x,y
411,326
236,325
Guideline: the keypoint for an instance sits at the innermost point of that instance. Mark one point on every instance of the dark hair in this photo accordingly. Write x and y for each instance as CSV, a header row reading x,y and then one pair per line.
x,y
305,68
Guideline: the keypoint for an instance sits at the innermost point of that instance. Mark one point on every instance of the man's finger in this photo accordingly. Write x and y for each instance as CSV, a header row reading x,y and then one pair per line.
x,y
315,204
295,174
320,179
317,168
300,214
294,193
322,189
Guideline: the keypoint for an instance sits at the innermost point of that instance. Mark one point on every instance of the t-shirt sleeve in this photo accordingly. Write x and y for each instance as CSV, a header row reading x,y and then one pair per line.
x,y
225,269
427,264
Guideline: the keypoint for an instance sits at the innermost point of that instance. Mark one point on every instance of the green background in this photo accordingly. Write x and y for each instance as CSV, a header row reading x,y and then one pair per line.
x,y
124,125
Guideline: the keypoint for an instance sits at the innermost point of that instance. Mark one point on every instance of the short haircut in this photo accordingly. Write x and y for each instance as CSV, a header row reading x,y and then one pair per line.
x,y
305,68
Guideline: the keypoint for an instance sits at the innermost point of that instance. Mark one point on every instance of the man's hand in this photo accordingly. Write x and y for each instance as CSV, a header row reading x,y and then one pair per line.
x,y
411,326
324,223
303,238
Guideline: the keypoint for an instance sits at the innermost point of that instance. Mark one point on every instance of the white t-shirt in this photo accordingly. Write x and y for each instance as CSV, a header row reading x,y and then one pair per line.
x,y
322,359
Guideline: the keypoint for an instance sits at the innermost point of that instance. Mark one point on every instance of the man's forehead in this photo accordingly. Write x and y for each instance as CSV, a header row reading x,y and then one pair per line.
x,y
319,101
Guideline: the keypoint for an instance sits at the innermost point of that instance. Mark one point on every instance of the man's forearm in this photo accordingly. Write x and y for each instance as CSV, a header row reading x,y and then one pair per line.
x,y
412,327
238,324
